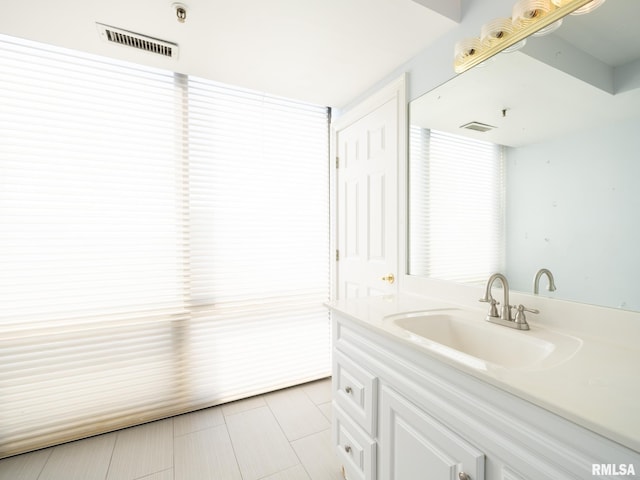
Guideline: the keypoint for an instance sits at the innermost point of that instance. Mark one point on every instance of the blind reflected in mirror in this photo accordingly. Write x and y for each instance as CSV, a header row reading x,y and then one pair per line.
x,y
456,198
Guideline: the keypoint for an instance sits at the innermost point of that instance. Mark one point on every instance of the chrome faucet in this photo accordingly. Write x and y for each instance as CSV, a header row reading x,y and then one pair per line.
x,y
505,312
536,281
505,318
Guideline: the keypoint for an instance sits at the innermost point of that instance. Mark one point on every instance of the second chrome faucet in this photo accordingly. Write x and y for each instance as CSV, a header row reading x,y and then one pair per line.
x,y
536,280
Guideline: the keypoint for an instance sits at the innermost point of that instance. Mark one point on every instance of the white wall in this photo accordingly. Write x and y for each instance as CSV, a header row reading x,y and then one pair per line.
x,y
588,182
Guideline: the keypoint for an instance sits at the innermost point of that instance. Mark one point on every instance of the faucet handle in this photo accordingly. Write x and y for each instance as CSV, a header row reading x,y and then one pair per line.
x,y
493,310
520,317
490,300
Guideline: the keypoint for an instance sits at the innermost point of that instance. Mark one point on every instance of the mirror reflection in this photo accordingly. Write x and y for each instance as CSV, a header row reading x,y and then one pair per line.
x,y
533,161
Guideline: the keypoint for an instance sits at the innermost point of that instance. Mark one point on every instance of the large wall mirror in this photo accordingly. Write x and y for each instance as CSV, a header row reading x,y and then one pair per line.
x,y
565,191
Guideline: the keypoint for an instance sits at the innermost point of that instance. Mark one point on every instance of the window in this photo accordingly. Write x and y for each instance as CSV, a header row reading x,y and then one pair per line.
x,y
164,244
259,209
456,192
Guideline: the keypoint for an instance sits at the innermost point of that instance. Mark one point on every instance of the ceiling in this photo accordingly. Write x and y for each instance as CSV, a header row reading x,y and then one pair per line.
x,y
606,32
517,94
321,51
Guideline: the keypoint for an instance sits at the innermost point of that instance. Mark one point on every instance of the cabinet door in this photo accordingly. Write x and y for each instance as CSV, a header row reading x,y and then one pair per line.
x,y
414,445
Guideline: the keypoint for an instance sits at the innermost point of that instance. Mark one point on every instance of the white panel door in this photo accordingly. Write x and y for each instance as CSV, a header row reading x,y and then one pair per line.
x,y
367,175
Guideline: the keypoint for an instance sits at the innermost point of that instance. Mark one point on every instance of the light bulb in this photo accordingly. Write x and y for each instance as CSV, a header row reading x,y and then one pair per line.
x,y
527,12
498,31
466,49
589,7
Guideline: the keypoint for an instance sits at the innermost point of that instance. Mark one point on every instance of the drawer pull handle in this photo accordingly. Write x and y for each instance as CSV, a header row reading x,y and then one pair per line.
x,y
348,390
463,476
347,449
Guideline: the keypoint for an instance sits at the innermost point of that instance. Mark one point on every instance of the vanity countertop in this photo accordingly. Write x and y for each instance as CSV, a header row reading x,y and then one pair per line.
x,y
598,387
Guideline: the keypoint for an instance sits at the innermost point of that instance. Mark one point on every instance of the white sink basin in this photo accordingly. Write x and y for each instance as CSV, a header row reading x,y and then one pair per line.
x,y
466,337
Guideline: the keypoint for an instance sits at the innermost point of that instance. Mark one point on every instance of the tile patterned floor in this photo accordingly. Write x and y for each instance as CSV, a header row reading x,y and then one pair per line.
x,y
283,435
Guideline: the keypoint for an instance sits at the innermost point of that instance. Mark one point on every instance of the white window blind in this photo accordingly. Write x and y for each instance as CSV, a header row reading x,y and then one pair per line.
x,y
456,192
260,213
164,244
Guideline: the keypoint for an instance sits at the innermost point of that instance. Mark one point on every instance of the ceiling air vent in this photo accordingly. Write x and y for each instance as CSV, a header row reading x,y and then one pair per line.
x,y
477,126
138,41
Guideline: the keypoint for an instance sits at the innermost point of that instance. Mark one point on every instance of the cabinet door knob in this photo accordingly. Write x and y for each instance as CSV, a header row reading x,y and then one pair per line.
x,y
347,448
348,390
463,476
389,278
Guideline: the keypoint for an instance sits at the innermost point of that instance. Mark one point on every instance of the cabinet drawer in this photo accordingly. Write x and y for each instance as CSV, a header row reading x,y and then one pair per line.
x,y
356,450
355,391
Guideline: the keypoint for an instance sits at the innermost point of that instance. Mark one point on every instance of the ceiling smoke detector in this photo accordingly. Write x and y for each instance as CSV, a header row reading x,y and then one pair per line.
x,y
477,126
180,10
138,41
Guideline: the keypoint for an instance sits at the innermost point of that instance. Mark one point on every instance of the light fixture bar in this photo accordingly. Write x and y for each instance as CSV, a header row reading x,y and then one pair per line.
x,y
520,33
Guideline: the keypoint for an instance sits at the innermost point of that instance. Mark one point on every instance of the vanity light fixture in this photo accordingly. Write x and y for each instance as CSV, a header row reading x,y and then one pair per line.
x,y
528,18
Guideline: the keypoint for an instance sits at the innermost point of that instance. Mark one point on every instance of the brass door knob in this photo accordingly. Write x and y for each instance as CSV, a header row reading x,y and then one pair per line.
x,y
389,278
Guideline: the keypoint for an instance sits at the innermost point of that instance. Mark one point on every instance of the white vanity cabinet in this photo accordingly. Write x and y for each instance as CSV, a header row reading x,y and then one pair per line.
x,y
400,414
